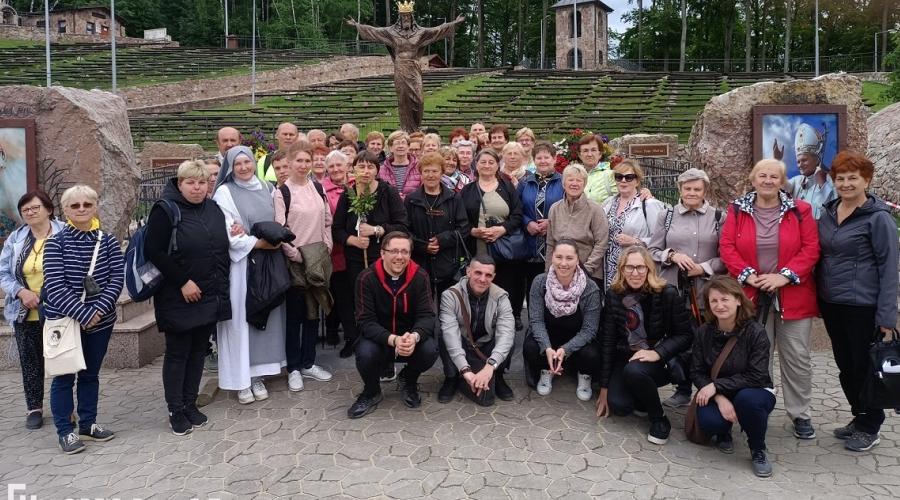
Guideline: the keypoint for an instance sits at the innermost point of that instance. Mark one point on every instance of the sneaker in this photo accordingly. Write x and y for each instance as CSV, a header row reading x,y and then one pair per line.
x,y
96,433
545,384
70,444
347,350
245,396
501,389
584,391
180,424
724,443
862,441
678,400
316,372
211,363
448,389
364,405
761,465
803,429
409,391
195,416
295,381
659,430
258,388
389,374
34,419
845,432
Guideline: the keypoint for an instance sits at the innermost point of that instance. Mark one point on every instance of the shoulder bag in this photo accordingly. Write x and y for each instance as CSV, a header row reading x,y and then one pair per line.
x,y
691,425
62,337
881,388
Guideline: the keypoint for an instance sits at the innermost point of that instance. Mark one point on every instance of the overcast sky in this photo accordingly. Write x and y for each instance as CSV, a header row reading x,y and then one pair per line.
x,y
615,18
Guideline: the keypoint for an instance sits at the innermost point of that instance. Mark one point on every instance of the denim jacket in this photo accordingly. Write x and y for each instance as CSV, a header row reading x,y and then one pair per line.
x,y
11,260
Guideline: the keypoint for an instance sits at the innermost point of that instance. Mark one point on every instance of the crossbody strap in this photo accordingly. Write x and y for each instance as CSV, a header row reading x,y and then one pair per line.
x,y
468,320
93,262
726,351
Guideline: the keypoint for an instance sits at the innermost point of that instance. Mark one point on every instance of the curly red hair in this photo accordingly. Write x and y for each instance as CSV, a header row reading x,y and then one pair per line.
x,y
851,161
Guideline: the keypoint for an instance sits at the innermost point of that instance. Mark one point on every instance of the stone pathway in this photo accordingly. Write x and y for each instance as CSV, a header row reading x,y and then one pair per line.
x,y
301,445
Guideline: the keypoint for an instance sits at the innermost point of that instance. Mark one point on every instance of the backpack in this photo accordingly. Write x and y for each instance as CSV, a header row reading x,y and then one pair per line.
x,y
286,196
142,278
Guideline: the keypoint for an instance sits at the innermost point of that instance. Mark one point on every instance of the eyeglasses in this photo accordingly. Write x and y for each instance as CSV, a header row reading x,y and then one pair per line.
x,y
629,269
78,206
397,251
32,209
625,177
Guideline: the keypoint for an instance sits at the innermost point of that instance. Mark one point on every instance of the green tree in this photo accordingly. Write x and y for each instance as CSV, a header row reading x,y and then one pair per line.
x,y
893,59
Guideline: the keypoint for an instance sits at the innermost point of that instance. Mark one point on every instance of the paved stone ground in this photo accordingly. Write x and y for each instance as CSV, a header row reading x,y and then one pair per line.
x,y
301,445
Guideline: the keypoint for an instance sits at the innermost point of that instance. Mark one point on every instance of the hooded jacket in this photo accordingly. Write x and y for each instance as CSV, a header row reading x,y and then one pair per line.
x,y
381,313
498,323
859,259
746,367
443,220
202,256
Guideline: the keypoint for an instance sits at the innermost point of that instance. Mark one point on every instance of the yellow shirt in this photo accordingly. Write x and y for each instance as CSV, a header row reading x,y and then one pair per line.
x,y
33,269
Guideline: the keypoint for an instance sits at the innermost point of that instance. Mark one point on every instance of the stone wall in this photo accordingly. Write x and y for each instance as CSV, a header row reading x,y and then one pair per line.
x,y
192,94
593,43
879,77
35,34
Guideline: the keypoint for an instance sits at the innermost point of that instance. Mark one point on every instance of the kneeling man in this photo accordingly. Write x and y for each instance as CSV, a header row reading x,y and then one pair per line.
x,y
478,330
395,317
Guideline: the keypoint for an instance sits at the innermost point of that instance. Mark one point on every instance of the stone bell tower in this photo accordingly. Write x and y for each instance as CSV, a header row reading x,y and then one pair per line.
x,y
582,34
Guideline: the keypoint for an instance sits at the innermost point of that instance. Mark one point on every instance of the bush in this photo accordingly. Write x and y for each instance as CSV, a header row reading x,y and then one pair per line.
x,y
893,59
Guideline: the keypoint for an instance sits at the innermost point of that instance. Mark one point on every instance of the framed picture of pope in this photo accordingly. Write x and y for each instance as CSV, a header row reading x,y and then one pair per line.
x,y
795,133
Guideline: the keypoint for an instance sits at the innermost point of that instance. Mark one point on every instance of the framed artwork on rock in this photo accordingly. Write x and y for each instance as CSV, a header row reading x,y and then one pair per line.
x,y
785,132
18,170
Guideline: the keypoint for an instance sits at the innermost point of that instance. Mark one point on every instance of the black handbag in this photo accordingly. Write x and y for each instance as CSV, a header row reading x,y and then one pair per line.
x,y
510,247
881,388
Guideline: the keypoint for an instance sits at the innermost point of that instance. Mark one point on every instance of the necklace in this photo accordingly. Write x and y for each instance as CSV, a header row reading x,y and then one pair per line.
x,y
39,252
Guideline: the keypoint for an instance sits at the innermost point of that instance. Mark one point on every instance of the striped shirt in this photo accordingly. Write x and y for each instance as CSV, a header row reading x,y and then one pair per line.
x,y
67,258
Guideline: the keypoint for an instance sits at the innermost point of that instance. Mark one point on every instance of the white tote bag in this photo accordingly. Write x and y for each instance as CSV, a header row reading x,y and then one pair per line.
x,y
62,337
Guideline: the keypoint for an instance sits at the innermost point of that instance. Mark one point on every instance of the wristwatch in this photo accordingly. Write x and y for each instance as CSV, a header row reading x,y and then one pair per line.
x,y
492,362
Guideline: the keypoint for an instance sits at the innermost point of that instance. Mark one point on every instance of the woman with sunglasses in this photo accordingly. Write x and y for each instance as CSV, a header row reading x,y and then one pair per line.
x,y
631,219
90,300
644,325
21,278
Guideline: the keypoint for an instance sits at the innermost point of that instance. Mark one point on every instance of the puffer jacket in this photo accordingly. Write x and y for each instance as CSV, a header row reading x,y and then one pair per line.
x,y
859,259
413,176
202,256
746,367
666,320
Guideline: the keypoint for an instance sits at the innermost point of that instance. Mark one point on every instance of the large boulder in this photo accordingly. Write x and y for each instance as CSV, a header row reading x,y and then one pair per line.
x,y
721,140
82,137
884,151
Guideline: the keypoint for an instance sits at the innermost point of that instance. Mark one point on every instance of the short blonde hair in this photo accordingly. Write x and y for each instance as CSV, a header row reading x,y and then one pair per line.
x,y
654,283
84,191
192,169
513,146
396,136
432,137
769,162
625,165
525,131
371,136
433,159
575,169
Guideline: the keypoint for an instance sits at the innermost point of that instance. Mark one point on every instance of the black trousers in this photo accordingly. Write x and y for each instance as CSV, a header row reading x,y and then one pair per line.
x,y
183,366
509,276
851,329
372,358
585,360
342,312
634,386
29,340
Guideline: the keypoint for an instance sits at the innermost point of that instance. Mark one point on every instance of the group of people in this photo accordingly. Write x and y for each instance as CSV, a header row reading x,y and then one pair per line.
x,y
417,250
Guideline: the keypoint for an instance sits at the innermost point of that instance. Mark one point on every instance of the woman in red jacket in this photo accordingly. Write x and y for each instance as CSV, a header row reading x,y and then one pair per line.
x,y
770,243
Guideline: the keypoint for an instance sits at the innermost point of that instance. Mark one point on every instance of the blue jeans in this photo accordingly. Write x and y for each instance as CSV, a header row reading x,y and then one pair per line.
x,y
752,406
300,348
62,402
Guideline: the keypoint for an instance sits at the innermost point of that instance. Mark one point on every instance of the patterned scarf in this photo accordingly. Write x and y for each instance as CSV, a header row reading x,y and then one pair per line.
x,y
561,301
616,223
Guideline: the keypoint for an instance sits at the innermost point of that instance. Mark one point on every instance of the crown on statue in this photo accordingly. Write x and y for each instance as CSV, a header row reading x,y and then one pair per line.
x,y
405,7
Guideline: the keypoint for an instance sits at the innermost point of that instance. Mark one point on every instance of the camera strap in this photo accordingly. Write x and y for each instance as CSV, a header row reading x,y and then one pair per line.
x,y
90,272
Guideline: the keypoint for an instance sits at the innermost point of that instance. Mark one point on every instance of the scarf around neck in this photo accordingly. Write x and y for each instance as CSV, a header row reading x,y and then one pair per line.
x,y
561,301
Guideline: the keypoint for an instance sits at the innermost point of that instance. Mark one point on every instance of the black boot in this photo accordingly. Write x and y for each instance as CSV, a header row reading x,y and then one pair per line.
x,y
501,389
448,389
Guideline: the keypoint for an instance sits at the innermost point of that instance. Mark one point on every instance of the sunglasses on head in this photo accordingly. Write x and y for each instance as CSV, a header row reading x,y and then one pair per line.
x,y
625,177
77,206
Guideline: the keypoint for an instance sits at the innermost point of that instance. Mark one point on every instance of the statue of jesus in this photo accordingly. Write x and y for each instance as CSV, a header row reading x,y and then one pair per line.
x,y
406,42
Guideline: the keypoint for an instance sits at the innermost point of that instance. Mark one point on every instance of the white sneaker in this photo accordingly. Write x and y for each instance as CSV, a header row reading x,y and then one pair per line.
x,y
316,372
295,381
545,384
245,396
584,391
259,389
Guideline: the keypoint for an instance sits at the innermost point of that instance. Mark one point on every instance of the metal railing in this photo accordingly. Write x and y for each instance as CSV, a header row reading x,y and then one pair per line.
x,y
153,182
661,176
312,45
850,63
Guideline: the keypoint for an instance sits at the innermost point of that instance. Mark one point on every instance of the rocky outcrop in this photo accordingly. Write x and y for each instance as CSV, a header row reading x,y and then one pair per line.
x,y
82,137
721,140
884,151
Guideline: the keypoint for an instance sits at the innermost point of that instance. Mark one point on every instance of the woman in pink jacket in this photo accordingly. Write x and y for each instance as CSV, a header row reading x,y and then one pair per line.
x,y
770,243
401,168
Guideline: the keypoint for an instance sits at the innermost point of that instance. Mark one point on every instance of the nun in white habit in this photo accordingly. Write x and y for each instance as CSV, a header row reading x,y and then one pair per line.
x,y
246,354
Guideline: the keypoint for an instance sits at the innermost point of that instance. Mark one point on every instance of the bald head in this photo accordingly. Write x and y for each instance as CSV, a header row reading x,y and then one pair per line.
x,y
316,137
286,135
227,138
350,131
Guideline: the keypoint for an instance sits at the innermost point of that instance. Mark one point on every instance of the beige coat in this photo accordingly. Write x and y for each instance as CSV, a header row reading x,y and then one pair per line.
x,y
584,222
